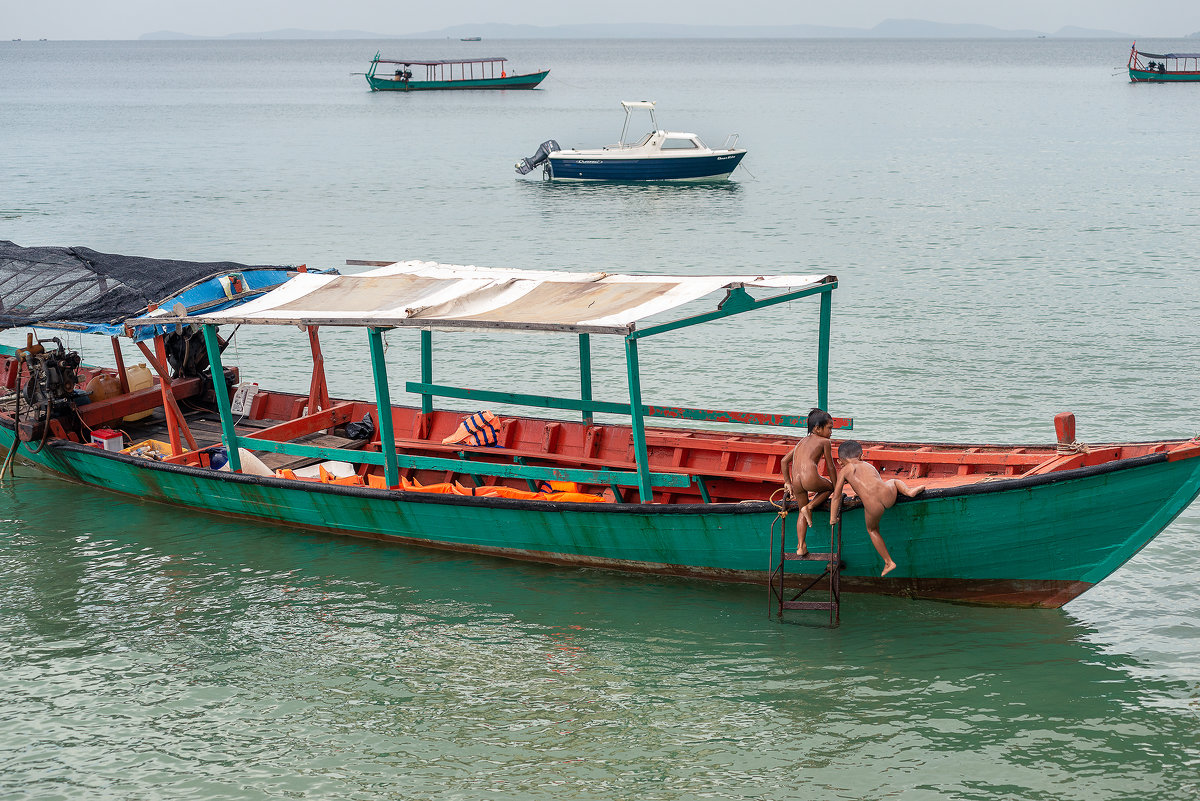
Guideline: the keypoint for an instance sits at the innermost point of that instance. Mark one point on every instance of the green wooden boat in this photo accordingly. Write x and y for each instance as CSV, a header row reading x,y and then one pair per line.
x,y
1015,525
1163,67
470,73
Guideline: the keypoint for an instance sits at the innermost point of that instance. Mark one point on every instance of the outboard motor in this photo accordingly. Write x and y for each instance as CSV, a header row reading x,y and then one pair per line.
x,y
525,166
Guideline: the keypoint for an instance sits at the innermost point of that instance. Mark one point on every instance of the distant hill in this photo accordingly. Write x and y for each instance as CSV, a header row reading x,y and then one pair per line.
x,y
285,33
889,29
1072,32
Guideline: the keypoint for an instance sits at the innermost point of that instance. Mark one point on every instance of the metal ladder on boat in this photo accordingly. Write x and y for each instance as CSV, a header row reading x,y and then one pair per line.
x,y
831,575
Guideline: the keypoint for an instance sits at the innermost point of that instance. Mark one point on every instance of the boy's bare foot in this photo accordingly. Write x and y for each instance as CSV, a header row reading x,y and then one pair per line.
x,y
806,514
801,552
888,567
915,491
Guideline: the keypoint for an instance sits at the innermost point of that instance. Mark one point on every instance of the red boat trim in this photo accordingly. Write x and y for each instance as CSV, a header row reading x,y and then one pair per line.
x,y
750,507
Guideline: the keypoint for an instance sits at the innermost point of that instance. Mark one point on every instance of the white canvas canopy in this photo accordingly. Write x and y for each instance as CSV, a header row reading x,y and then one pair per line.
x,y
431,295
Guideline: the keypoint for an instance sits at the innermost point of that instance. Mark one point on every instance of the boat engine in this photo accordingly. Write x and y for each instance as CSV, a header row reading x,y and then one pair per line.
x,y
49,391
525,166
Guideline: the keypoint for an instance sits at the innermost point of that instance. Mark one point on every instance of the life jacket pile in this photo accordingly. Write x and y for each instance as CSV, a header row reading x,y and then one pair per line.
x,y
479,430
560,491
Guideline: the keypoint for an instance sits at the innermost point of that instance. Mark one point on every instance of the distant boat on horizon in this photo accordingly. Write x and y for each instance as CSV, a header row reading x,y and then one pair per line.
x,y
471,39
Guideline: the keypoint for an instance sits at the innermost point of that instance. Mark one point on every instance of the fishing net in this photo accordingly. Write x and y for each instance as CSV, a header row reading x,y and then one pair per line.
x,y
54,284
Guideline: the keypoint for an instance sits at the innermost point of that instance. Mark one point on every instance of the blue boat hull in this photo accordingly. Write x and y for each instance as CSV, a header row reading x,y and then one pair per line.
x,y
675,168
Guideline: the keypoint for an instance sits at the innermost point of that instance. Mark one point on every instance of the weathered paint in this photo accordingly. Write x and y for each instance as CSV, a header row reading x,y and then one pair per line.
x,y
1007,542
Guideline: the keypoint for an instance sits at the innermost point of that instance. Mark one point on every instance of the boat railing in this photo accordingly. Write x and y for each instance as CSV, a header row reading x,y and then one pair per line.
x,y
277,439
731,141
610,407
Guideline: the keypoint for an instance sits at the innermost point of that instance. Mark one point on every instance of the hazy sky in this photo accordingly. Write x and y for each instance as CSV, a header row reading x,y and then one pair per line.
x,y
128,19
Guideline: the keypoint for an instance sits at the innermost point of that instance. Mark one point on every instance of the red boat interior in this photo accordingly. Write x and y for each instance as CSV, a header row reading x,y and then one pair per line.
x,y
183,427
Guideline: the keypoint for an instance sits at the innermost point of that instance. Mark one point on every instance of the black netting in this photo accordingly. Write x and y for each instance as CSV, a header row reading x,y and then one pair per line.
x,y
49,284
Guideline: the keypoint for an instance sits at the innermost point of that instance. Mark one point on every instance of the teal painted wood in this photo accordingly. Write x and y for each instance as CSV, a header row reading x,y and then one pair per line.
x,y
738,301
823,352
529,81
641,456
426,369
608,407
228,434
1153,76
383,400
1078,528
585,374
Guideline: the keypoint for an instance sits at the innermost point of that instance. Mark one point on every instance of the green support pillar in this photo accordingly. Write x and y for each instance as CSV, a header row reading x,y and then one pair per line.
x,y
585,374
426,369
228,434
823,351
383,401
639,424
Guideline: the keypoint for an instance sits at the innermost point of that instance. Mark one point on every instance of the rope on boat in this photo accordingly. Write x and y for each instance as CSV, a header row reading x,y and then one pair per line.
x,y
16,436
781,506
1072,447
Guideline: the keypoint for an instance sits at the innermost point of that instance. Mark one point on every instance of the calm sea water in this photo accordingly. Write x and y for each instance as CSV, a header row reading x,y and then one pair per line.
x,y
1014,228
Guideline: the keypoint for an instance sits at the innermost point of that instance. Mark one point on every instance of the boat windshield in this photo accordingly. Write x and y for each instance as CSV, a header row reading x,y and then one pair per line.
x,y
679,143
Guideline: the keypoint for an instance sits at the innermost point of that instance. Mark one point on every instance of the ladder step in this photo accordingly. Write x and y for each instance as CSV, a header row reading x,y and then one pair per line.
x,y
808,605
811,556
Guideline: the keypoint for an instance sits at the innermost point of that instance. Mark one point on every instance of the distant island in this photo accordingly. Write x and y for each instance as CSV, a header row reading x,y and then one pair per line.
x,y
890,29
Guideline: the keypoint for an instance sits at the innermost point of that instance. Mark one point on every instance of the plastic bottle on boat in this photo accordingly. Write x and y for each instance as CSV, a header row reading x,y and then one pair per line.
x,y
103,386
138,377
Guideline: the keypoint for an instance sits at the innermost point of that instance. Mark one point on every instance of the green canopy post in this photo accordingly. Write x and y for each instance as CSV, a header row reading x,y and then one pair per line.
x,y
641,455
585,374
228,433
823,350
383,402
426,368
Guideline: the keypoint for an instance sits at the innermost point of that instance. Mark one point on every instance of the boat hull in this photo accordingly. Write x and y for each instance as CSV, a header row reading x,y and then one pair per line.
x,y
1153,76
668,168
529,81
1037,541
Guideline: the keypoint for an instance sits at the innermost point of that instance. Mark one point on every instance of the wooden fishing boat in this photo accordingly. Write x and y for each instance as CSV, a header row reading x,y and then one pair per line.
x,y
466,73
1031,525
1163,67
658,156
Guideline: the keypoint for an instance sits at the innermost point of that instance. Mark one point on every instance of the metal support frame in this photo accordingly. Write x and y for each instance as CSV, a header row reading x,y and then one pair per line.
x,y
228,433
387,438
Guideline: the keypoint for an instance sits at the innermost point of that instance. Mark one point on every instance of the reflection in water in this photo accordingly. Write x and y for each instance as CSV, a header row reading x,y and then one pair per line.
x,y
635,188
146,647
